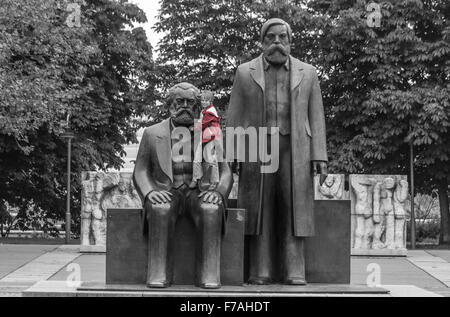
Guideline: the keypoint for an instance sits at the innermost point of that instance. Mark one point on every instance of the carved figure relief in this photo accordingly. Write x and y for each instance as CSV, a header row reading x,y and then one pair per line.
x,y
331,189
101,191
378,211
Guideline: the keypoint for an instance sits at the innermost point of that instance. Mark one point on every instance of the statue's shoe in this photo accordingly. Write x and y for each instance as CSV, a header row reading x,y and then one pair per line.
x,y
210,285
260,280
295,281
163,284
193,185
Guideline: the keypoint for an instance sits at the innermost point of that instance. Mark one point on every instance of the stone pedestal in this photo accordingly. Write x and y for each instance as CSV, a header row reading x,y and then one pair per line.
x,y
328,253
126,256
252,291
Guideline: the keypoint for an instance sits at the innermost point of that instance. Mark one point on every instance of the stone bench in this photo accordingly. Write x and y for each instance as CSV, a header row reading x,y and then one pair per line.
x,y
126,249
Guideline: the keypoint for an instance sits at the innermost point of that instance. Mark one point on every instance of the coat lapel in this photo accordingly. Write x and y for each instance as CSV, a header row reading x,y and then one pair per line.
x,y
257,72
297,73
163,149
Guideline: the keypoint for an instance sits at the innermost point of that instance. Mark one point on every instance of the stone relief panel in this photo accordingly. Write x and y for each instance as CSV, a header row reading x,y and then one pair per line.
x,y
101,191
378,212
332,189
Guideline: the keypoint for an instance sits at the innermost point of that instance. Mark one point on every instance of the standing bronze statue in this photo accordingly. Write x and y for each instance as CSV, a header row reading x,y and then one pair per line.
x,y
278,90
162,177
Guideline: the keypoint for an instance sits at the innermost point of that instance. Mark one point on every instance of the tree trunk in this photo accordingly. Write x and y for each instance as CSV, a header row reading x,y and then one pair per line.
x,y
444,237
2,217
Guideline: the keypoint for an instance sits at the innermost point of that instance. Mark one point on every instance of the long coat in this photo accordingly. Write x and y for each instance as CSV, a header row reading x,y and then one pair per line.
x,y
308,139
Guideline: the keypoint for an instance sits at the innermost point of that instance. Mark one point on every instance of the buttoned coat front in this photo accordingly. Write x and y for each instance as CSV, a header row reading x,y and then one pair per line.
x,y
308,139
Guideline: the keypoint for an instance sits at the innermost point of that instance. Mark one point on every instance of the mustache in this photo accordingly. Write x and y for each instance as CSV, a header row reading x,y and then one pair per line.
x,y
277,48
184,112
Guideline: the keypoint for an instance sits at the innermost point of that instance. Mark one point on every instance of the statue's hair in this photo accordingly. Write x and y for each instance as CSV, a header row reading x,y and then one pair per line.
x,y
273,22
208,93
183,86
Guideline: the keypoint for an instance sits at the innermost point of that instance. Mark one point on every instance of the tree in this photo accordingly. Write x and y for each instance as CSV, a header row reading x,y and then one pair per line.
x,y
205,41
100,72
386,87
383,87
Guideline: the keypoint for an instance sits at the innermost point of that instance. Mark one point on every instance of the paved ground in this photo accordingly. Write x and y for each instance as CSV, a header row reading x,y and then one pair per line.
x,y
394,271
422,273
22,266
93,269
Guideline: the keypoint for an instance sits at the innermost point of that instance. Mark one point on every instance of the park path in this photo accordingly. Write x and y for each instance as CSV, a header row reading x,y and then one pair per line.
x,y
436,263
422,273
13,256
30,265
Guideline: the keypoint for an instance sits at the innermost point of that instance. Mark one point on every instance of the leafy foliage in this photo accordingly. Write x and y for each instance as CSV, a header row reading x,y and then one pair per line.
x,y
426,206
204,43
387,86
383,87
100,72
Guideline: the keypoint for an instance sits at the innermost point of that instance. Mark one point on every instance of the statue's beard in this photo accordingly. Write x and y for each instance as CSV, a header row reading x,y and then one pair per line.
x,y
183,117
276,54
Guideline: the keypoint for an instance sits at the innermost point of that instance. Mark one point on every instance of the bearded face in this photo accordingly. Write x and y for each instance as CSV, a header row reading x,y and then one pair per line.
x,y
276,45
389,183
329,181
183,106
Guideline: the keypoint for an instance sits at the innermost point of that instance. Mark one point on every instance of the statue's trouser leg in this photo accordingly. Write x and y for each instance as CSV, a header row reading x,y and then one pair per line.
x,y
161,225
215,178
262,246
214,149
277,227
291,247
197,169
208,220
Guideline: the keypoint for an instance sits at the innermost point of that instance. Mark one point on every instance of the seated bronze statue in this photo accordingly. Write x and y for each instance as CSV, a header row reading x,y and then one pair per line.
x,y
162,177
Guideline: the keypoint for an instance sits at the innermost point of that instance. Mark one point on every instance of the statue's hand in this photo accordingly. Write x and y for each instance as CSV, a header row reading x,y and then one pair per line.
x,y
320,168
159,197
211,197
